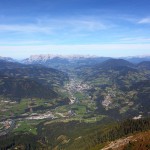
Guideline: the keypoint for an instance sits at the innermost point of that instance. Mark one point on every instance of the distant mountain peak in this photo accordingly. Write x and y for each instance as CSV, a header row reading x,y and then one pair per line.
x,y
7,59
51,56
43,58
144,65
116,63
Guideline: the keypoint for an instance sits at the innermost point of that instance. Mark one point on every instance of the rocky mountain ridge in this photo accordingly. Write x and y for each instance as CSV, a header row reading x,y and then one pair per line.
x,y
46,57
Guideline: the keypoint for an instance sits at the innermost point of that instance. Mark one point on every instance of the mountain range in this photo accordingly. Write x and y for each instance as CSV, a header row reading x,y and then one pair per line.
x,y
63,62
57,60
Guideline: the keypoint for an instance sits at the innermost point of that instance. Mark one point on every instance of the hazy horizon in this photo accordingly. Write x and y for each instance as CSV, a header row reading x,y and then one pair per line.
x,y
75,55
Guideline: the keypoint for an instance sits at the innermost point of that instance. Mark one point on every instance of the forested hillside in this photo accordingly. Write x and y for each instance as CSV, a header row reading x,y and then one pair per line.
x,y
29,81
74,135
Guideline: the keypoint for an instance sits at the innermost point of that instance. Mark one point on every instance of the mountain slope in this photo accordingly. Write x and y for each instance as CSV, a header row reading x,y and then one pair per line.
x,y
8,59
112,63
137,59
18,80
40,74
119,87
9,65
139,141
16,89
144,65
104,134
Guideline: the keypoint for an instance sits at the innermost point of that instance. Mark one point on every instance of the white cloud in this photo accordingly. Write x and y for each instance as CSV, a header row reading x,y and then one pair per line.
x,y
144,21
29,28
135,40
86,25
57,26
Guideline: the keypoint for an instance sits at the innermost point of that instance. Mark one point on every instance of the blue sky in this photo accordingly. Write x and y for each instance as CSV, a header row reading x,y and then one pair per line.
x,y
96,27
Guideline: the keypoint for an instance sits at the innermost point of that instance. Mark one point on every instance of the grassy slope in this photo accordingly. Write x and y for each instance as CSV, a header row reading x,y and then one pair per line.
x,y
138,141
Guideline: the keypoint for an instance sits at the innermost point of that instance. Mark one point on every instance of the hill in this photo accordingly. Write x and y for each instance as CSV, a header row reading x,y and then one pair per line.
x,y
144,65
138,141
8,59
84,136
17,88
113,63
137,59
101,137
4,64
34,72
18,80
118,87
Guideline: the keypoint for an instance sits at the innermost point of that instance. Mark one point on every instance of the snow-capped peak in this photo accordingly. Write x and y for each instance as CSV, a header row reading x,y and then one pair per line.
x,y
44,58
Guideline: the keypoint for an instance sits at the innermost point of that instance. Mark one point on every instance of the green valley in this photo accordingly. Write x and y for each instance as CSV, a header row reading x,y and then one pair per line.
x,y
86,107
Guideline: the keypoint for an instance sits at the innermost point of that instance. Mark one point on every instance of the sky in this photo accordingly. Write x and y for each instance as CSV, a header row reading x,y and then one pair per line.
x,y
87,27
